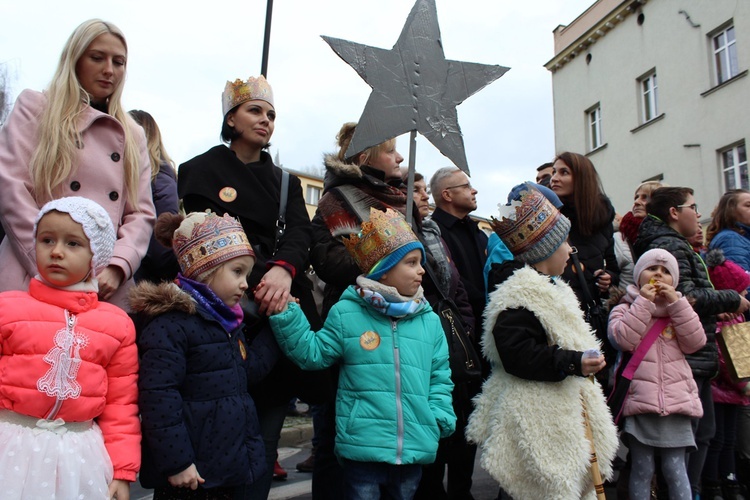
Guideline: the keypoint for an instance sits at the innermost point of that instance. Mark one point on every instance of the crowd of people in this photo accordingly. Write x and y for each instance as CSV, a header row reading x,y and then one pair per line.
x,y
155,322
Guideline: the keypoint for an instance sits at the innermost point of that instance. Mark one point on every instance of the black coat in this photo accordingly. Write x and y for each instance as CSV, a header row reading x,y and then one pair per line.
x,y
160,263
256,204
468,247
694,284
593,251
193,391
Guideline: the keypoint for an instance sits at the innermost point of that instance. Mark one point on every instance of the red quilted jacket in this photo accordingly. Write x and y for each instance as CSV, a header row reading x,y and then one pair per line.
x,y
104,387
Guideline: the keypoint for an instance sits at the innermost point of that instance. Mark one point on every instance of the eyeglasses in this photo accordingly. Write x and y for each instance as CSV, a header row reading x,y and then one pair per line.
x,y
467,185
694,206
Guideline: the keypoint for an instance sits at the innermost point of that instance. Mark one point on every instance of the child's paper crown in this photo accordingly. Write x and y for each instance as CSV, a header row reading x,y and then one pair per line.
x,y
238,91
531,227
204,240
385,233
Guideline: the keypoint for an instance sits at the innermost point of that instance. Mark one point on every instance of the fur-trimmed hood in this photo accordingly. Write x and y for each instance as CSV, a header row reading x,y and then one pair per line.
x,y
337,171
152,300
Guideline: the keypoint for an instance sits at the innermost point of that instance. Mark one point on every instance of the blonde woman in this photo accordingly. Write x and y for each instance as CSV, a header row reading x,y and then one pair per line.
x,y
74,139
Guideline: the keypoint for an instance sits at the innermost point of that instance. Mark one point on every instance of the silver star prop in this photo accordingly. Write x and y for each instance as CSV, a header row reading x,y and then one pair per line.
x,y
414,87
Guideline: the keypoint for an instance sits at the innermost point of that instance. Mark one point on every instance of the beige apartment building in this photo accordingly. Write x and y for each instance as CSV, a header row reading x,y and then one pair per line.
x,y
656,89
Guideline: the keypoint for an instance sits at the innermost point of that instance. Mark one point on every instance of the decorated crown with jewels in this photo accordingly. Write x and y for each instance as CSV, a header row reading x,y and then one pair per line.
x,y
382,235
239,91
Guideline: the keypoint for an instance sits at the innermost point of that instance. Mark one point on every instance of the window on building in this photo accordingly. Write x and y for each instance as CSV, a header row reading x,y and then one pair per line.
x,y
649,97
594,119
734,167
725,55
313,195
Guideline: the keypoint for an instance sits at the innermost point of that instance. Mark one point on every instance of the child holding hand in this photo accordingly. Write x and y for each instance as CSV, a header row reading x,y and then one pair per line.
x,y
201,437
68,367
394,395
663,396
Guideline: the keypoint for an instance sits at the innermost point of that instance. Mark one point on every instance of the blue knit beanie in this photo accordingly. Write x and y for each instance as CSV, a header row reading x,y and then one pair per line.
x,y
389,261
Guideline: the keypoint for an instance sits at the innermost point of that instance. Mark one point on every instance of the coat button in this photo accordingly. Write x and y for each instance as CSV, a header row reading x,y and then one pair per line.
x,y
75,185
115,156
82,302
571,368
114,196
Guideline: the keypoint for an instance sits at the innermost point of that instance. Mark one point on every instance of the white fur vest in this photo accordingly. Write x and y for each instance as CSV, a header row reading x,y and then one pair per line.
x,y
532,433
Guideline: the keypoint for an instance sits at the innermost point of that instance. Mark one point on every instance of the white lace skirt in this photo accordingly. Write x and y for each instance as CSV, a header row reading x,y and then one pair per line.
x,y
57,461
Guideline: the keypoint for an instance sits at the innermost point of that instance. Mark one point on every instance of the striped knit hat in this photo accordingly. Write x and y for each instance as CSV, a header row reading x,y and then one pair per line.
x,y
531,227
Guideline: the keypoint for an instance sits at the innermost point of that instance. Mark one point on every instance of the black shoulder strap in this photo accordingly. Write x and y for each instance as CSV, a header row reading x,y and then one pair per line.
x,y
281,222
579,271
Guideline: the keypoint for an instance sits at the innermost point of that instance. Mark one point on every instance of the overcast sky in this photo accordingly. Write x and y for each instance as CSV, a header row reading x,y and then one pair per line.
x,y
181,53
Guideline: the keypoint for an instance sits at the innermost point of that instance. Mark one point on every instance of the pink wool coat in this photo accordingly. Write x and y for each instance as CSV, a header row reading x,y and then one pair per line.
x,y
106,378
98,175
663,383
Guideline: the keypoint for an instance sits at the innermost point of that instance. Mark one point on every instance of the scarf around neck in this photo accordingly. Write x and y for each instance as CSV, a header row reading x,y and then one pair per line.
x,y
229,318
386,299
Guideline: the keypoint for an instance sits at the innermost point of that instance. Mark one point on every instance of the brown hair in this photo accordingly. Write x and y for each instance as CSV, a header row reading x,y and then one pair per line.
x,y
588,195
724,215
664,198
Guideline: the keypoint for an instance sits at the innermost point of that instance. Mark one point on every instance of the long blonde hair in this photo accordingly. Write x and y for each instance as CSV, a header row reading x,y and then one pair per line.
x,y
156,151
58,139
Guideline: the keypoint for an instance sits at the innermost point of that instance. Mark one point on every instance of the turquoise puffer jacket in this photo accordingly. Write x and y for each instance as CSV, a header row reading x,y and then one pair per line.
x,y
393,402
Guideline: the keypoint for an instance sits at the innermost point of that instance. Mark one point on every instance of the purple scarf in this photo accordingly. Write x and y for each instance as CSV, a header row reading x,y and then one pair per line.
x,y
229,318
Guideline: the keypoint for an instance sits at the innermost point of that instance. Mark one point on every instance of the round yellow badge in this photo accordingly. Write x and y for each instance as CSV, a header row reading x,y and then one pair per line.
x,y
369,340
228,194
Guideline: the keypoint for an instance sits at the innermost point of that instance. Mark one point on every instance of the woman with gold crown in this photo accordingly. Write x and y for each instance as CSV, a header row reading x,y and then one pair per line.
x,y
240,179
75,139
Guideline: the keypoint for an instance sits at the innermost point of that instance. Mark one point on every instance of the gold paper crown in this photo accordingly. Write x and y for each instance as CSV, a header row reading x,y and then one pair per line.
x,y
237,92
204,240
383,234
532,228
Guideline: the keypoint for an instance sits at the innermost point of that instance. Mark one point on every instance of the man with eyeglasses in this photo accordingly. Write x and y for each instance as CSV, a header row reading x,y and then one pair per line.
x,y
455,199
672,219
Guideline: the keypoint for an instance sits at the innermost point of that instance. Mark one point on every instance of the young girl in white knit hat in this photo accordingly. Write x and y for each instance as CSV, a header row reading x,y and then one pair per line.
x,y
68,367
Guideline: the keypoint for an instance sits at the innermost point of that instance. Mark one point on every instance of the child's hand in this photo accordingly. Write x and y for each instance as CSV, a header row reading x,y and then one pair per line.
x,y
648,291
119,489
592,366
189,478
668,292
284,306
744,305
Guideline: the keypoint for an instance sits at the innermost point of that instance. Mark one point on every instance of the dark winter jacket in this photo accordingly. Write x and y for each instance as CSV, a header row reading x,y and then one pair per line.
x,y
195,407
694,284
255,202
593,251
160,263
468,247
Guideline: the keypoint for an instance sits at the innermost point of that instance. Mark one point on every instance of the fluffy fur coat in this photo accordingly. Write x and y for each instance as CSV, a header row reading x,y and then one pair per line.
x,y
532,433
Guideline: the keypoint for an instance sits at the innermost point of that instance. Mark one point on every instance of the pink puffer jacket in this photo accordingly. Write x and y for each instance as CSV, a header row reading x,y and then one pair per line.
x,y
663,383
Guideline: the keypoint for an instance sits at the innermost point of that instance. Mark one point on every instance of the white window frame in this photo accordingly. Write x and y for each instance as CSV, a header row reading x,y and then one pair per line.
x,y
724,52
313,194
594,127
649,91
733,161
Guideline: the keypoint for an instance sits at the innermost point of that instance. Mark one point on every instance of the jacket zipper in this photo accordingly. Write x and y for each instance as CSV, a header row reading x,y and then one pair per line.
x,y
399,407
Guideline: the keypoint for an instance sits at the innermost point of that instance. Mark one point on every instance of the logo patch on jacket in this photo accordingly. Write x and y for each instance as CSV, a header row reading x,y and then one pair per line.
x,y
369,340
228,194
